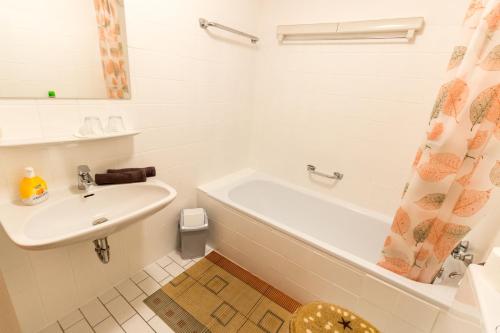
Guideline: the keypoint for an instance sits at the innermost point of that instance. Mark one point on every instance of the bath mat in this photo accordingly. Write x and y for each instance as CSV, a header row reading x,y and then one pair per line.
x,y
324,317
216,295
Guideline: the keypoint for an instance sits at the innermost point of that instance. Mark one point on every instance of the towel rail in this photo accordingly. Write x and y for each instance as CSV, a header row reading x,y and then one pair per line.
x,y
205,24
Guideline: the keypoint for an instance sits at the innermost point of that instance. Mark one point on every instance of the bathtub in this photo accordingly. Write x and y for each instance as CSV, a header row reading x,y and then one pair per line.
x,y
317,247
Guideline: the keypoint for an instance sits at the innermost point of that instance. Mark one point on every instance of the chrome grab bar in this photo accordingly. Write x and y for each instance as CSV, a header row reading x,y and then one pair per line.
x,y
204,24
336,175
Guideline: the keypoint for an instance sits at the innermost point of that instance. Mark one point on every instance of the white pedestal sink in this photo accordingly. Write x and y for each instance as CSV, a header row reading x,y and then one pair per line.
x,y
70,217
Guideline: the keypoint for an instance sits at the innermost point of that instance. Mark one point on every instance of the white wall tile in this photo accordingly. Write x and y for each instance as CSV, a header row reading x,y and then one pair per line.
x,y
449,323
374,314
379,293
325,103
418,313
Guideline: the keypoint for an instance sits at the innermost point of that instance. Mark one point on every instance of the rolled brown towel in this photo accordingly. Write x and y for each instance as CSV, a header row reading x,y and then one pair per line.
x,y
136,176
150,171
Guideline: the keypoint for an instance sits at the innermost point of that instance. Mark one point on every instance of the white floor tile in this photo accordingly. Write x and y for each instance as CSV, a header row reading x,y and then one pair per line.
x,y
54,328
95,312
108,326
175,255
159,325
164,261
70,319
141,308
139,276
128,289
190,264
149,286
174,269
167,280
120,309
156,272
137,325
81,327
109,295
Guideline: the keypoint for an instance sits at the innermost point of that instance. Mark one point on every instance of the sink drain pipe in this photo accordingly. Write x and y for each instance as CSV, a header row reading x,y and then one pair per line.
x,y
102,249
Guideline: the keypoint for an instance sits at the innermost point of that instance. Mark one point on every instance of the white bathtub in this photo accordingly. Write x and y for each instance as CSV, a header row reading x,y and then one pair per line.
x,y
254,212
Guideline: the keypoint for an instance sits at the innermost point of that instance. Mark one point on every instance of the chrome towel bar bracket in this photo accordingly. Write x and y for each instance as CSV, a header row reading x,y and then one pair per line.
x,y
205,24
336,175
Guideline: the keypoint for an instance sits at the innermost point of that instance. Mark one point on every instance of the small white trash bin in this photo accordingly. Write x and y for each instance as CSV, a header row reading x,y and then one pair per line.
x,y
193,229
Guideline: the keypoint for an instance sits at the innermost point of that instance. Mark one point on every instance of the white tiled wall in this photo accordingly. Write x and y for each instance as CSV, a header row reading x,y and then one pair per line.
x,y
191,100
361,109
307,274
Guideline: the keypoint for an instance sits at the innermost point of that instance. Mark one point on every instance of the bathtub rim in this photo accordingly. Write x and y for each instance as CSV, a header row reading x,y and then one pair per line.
x,y
441,296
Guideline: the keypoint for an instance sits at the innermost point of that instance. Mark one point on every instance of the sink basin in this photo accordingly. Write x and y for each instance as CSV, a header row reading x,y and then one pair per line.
x,y
69,217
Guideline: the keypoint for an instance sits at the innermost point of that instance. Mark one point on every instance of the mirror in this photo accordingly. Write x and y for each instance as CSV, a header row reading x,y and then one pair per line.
x,y
63,49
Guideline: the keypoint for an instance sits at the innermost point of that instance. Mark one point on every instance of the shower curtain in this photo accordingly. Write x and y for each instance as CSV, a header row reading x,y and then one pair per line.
x,y
109,14
456,168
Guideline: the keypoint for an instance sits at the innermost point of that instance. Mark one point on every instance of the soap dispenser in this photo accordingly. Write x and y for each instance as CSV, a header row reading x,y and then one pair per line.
x,y
33,189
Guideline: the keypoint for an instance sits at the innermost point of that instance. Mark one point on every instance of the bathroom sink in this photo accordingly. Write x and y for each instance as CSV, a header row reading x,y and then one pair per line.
x,y
70,217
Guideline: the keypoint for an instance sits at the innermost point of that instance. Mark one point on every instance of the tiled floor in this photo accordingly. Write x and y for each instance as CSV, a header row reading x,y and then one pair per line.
x,y
121,309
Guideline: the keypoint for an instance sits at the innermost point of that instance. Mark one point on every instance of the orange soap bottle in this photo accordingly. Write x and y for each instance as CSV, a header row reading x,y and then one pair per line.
x,y
33,189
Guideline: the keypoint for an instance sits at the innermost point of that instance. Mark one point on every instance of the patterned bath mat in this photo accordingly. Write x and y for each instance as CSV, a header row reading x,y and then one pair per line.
x,y
216,295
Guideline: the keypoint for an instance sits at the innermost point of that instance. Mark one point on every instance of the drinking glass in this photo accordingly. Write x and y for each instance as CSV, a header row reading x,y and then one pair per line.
x,y
92,126
115,124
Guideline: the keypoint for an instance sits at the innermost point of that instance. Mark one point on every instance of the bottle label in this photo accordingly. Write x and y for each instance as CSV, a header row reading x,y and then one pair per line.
x,y
39,194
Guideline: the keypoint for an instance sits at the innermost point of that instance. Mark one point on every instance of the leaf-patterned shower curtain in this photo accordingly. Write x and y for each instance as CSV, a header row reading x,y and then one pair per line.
x,y
456,168
112,47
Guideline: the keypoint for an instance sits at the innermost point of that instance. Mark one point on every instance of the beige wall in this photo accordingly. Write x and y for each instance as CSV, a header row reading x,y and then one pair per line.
x,y
191,98
8,317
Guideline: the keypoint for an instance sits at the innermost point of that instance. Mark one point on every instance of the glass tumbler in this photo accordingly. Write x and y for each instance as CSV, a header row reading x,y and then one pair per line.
x,y
92,126
115,124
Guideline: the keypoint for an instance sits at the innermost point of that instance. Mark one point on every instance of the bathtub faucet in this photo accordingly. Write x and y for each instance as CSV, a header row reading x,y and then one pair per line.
x,y
461,253
336,175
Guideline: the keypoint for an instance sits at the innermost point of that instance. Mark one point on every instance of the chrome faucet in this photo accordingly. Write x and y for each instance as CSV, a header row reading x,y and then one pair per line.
x,y
85,180
461,253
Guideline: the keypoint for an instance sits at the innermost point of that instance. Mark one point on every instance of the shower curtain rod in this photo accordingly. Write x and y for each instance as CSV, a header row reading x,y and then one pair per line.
x,y
205,24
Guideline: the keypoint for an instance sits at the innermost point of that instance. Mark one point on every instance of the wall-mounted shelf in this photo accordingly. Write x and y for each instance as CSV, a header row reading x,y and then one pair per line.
x,y
395,29
61,140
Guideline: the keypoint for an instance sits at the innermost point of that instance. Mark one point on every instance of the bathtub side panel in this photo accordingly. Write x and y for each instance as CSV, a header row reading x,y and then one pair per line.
x,y
307,274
